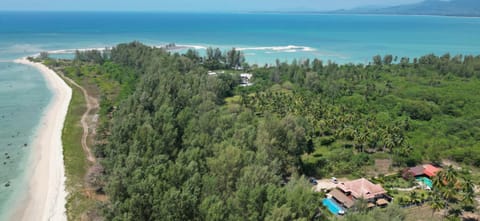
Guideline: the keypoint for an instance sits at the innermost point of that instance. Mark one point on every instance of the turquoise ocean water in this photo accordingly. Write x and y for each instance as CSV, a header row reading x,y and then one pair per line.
x,y
23,98
262,37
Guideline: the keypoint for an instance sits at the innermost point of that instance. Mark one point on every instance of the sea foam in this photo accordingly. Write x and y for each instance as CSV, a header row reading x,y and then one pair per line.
x,y
289,48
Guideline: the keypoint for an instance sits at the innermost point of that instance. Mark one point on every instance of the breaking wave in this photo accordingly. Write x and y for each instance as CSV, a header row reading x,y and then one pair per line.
x,y
289,49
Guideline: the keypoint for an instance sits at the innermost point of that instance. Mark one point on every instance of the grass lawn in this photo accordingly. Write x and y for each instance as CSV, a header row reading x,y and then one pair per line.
x,y
395,181
421,213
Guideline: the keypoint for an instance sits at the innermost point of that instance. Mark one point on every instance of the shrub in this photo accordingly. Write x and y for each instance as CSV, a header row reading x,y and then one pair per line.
x,y
419,110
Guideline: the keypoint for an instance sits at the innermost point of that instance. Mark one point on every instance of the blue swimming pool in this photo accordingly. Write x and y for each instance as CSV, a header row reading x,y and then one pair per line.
x,y
332,206
425,180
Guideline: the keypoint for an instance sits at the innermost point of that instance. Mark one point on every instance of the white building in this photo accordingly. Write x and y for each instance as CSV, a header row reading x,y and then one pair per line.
x,y
246,79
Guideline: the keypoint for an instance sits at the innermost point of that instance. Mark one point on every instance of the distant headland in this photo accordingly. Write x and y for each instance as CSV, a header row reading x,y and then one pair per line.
x,y
461,8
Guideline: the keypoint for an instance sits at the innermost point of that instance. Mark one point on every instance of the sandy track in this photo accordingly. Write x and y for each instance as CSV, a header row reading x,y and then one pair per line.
x,y
92,104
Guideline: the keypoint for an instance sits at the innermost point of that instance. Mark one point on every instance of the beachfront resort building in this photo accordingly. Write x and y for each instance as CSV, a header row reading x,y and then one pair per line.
x,y
346,193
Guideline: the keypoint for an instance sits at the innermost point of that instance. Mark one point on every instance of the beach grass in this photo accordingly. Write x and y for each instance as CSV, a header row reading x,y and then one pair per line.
x,y
76,164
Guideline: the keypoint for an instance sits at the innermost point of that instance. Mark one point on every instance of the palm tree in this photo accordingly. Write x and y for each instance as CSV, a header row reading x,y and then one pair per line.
x,y
468,191
448,193
361,138
450,175
468,185
437,181
373,138
389,143
414,197
436,204
454,212
469,198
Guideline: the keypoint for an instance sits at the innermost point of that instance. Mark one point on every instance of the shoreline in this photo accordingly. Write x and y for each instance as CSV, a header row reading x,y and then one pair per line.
x,y
45,196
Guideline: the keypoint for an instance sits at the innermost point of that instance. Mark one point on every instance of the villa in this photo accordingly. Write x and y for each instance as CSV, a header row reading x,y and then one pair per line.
x,y
363,188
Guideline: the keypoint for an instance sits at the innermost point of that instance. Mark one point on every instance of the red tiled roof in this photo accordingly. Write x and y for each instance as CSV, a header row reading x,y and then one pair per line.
x,y
426,169
362,188
430,170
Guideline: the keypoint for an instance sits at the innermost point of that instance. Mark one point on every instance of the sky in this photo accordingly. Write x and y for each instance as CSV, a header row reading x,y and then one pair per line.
x,y
193,5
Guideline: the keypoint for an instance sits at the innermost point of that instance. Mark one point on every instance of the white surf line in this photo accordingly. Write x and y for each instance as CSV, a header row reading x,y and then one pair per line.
x,y
288,48
71,51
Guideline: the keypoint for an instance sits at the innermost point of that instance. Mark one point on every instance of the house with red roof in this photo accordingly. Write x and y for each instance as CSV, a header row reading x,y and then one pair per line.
x,y
427,170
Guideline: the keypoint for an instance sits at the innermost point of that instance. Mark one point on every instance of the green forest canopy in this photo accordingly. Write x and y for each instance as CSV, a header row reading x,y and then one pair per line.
x,y
183,145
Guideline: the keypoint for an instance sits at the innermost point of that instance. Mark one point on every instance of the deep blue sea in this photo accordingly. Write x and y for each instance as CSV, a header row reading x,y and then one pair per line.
x,y
262,37
340,38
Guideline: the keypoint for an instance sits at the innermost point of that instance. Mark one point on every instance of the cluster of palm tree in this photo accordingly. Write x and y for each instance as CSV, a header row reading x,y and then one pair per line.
x,y
453,192
364,132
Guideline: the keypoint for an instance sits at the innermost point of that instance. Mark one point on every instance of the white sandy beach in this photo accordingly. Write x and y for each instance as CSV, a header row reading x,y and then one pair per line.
x,y
45,197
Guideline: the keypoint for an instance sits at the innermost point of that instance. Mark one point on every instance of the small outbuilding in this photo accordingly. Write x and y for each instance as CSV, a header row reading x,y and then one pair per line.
x,y
427,170
382,202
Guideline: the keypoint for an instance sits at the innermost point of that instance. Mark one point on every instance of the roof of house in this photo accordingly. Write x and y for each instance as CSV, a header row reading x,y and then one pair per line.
x,y
426,169
417,171
362,188
382,202
430,170
342,198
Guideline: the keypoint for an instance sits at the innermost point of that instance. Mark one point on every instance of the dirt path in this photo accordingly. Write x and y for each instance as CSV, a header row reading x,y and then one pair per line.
x,y
92,103
406,189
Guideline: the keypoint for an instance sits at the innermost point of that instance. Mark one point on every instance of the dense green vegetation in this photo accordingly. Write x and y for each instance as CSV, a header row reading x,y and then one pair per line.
x,y
454,192
179,144
177,152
